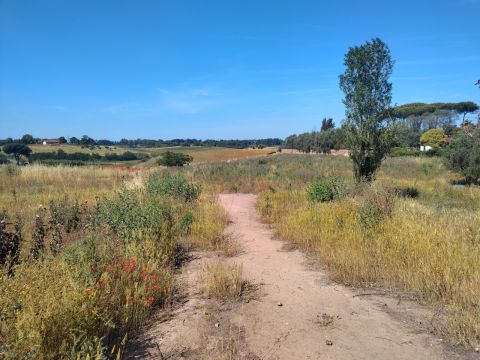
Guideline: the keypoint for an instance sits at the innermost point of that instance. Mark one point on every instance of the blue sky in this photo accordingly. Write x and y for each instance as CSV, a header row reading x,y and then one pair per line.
x,y
217,69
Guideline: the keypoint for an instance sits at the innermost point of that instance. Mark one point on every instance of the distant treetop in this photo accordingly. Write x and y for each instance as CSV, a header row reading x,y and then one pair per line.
x,y
417,109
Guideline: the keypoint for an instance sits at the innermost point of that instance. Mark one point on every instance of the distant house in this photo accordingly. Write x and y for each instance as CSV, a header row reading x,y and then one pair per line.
x,y
425,148
51,142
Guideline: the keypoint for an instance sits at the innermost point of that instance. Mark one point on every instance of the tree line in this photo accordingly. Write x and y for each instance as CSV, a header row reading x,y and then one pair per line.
x,y
87,141
409,123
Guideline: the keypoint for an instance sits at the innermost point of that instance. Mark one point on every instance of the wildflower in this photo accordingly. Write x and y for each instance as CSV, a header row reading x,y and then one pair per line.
x,y
151,298
89,291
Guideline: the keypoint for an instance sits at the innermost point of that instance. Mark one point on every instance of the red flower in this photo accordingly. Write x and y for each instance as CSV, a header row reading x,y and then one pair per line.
x,y
151,298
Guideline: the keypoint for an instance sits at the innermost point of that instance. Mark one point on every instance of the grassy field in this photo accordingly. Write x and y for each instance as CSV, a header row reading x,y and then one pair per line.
x,y
200,154
412,231
98,245
91,253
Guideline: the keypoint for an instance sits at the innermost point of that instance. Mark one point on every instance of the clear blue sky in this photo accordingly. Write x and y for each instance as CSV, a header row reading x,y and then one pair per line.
x,y
217,69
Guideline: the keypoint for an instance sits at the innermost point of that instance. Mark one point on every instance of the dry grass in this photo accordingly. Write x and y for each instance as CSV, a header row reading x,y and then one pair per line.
x,y
226,154
429,251
207,229
114,268
223,282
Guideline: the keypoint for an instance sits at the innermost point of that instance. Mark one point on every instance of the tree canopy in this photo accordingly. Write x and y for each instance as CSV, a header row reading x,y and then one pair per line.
x,y
434,138
17,150
170,158
417,109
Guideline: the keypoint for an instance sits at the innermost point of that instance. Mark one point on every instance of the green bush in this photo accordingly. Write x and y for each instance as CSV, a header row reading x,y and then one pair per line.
x,y
401,151
176,186
323,190
463,155
377,204
170,158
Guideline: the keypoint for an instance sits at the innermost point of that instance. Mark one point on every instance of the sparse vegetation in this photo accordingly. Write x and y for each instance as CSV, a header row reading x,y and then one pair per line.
x,y
224,282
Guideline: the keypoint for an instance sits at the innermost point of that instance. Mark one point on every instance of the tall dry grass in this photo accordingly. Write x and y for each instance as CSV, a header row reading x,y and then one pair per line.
x,y
429,251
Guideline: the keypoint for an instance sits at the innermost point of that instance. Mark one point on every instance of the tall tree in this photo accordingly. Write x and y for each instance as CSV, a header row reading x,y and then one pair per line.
x,y
367,89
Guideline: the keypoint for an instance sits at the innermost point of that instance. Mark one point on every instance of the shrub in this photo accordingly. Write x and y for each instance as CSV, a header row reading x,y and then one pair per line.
x,y
434,138
401,151
407,192
323,190
176,186
377,204
170,158
463,155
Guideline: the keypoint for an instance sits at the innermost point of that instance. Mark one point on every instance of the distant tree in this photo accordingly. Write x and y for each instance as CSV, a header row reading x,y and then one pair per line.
x,y
463,155
74,141
170,158
327,124
326,141
27,139
451,130
367,100
87,141
62,140
465,107
17,150
406,136
434,137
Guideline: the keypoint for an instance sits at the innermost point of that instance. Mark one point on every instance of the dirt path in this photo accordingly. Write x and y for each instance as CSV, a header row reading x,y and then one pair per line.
x,y
296,313
317,319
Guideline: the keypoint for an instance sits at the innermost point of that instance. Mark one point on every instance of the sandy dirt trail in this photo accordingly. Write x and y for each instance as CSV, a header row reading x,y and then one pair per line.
x,y
288,322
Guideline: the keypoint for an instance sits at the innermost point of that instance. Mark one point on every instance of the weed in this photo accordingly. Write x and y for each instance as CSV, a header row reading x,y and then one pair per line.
x,y
224,282
324,190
